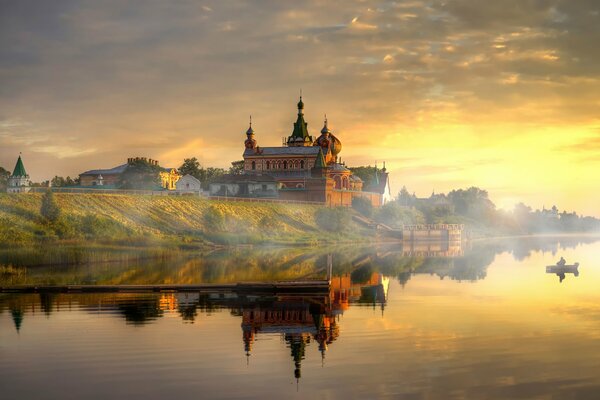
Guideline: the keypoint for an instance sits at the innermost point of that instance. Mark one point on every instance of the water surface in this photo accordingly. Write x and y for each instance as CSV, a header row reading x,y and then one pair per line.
x,y
481,321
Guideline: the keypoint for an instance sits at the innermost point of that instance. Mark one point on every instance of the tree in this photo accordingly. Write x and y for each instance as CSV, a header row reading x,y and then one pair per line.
x,y
237,167
140,174
212,174
367,174
405,198
191,166
4,175
49,209
332,219
363,206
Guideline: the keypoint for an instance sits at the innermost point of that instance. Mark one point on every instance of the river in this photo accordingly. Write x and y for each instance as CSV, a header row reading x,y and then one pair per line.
x,y
483,320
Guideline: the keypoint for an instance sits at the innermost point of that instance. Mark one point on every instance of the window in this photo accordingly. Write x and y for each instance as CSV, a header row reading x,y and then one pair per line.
x,y
285,165
253,165
268,165
301,164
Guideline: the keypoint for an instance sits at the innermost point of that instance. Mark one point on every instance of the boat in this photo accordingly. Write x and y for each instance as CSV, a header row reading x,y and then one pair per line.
x,y
563,269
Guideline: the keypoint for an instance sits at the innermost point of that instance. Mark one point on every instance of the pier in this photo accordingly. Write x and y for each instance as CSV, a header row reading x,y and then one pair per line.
x,y
291,287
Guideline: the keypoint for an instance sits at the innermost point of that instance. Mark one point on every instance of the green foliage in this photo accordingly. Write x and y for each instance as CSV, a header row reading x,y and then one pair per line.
x,y
270,222
395,215
59,181
237,167
367,174
191,166
363,206
49,209
140,175
332,219
362,274
4,175
214,218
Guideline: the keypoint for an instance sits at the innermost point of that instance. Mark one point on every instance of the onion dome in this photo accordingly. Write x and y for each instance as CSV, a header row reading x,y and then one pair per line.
x,y
250,131
300,105
250,142
325,130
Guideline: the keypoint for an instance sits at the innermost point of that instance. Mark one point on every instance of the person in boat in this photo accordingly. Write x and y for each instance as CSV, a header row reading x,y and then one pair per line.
x,y
561,262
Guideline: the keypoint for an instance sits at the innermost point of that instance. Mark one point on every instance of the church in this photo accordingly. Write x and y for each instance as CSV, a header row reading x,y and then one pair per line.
x,y
308,168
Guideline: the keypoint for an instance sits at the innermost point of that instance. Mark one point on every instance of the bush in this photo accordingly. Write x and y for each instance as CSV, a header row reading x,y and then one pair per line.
x,y
332,219
363,206
270,222
214,218
394,214
49,210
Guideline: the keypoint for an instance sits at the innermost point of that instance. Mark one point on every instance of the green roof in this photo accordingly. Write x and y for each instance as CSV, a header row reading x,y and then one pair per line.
x,y
300,126
19,168
320,162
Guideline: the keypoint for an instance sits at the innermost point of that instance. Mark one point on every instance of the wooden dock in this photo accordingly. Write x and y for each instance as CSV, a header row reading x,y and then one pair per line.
x,y
295,287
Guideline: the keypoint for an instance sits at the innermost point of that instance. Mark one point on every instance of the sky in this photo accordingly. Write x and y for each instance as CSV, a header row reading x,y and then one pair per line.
x,y
450,94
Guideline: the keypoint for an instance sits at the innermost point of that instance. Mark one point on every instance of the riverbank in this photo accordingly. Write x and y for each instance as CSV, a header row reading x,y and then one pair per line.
x,y
177,221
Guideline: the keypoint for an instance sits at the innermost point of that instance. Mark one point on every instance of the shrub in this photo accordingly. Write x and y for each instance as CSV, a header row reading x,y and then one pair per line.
x,y
214,218
270,222
332,219
363,206
49,210
394,214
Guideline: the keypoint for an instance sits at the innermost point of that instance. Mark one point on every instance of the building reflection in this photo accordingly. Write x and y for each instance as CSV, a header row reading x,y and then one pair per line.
x,y
302,320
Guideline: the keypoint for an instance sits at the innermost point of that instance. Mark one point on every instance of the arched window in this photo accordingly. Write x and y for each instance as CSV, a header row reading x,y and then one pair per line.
x,y
268,165
253,165
301,164
345,183
338,182
296,164
285,165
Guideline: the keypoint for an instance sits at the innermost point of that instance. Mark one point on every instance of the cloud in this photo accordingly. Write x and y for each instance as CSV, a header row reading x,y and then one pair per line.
x,y
104,80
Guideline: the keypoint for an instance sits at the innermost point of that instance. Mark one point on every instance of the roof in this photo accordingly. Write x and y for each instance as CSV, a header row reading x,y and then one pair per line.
x,y
228,178
284,151
300,126
19,168
112,171
187,178
338,167
320,163
380,185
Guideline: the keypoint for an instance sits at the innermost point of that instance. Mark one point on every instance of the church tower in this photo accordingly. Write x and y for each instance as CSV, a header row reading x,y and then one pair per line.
x,y
19,180
250,142
300,136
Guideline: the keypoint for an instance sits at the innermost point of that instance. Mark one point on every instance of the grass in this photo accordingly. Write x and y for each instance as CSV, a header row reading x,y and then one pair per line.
x,y
166,220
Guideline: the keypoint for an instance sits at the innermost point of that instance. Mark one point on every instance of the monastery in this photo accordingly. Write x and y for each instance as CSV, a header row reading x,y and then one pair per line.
x,y
303,169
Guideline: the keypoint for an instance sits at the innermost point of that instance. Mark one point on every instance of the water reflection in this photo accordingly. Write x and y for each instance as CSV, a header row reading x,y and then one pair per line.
x,y
299,319
394,323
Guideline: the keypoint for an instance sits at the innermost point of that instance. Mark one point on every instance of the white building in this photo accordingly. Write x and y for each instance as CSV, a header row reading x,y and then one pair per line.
x,y
188,184
18,182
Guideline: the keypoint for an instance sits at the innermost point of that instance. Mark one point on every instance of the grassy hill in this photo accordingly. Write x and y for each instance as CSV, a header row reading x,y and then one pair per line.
x,y
180,220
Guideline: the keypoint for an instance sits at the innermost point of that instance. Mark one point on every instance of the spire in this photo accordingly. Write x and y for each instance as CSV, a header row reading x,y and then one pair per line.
x,y
300,136
19,170
300,104
325,129
320,162
250,131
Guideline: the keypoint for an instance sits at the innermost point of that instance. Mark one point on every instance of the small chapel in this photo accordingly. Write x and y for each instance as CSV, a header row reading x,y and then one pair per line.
x,y
18,182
